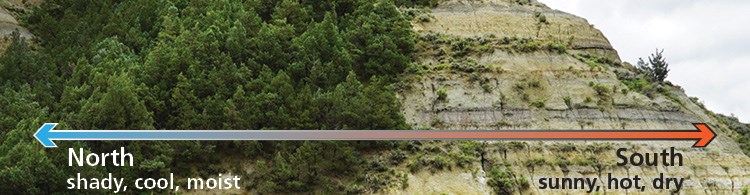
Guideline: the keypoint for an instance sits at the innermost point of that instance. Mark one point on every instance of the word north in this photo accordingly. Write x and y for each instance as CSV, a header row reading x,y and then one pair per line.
x,y
117,158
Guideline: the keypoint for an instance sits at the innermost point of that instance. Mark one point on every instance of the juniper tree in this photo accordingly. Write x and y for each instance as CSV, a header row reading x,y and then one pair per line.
x,y
657,67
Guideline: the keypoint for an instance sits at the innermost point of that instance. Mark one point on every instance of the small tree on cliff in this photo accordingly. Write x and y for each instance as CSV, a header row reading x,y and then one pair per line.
x,y
657,67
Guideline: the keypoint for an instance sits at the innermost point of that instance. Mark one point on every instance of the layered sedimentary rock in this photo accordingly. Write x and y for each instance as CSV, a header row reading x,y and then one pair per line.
x,y
569,78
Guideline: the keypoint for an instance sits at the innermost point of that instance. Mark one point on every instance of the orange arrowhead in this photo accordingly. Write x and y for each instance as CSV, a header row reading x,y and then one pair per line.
x,y
705,135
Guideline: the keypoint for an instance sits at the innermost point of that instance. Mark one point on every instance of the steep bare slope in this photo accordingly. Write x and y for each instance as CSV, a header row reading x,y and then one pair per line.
x,y
515,65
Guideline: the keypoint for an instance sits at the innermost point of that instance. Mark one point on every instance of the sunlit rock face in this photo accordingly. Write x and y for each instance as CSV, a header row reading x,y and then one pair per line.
x,y
499,64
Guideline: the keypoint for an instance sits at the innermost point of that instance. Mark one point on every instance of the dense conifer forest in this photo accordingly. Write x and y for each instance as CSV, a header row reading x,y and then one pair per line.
x,y
206,64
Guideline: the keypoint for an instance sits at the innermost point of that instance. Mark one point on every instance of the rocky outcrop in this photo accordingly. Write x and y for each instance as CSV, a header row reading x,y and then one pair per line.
x,y
9,10
511,18
579,87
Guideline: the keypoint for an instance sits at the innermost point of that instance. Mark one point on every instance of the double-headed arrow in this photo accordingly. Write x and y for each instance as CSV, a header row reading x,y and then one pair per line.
x,y
703,135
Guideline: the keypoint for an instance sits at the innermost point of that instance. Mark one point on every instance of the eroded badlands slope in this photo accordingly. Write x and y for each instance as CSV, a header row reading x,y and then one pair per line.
x,y
510,65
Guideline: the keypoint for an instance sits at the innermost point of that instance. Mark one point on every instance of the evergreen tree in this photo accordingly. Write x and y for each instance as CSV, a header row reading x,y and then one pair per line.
x,y
381,40
657,67
259,64
115,106
291,12
20,66
323,58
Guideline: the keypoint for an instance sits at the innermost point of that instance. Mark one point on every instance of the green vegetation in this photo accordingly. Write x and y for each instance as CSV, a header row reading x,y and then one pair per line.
x,y
568,101
465,65
742,129
450,48
657,67
434,162
588,100
525,96
531,45
257,64
597,148
538,103
487,88
600,89
540,18
567,147
532,163
503,181
603,93
438,155
442,95
595,62
534,84
637,83
649,79
523,85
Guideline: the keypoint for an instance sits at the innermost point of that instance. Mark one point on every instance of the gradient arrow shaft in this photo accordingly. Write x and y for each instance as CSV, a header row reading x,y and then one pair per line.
x,y
703,135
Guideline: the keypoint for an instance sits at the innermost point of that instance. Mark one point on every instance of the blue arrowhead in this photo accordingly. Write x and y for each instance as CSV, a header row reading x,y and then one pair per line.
x,y
43,135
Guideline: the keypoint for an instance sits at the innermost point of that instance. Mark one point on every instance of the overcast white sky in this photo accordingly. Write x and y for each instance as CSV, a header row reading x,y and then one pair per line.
x,y
705,42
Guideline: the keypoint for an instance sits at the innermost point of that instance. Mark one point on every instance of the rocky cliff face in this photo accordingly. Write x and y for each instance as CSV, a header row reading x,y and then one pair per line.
x,y
9,10
521,65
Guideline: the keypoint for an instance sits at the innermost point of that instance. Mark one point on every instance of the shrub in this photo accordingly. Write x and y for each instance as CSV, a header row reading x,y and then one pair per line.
x,y
569,147
487,88
397,156
534,84
503,123
506,40
568,102
414,165
526,45
523,183
640,85
556,46
440,162
534,162
538,103
404,181
460,47
597,148
470,147
600,89
442,95
741,128
461,160
501,180
541,18
474,76
525,96
594,61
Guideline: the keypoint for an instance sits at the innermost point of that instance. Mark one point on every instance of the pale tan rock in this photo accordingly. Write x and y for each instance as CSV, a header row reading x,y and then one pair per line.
x,y
721,168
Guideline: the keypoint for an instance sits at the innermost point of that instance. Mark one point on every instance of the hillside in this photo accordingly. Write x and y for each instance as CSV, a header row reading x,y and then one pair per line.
x,y
510,65
362,64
